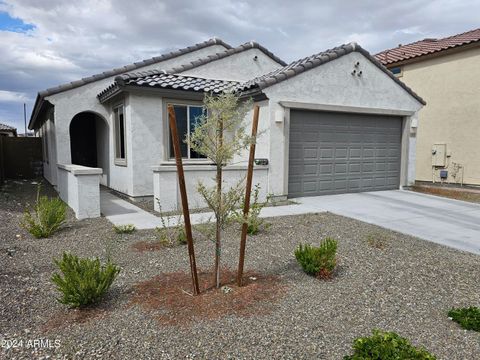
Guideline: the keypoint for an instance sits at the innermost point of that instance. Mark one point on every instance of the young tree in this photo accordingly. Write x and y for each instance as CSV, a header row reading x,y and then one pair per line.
x,y
219,134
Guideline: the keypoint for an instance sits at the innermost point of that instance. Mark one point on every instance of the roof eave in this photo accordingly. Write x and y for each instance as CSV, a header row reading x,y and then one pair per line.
x,y
40,105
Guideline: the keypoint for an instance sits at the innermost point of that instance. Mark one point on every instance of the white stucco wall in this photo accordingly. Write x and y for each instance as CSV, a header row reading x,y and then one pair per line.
x,y
79,187
47,131
167,191
332,84
71,102
240,66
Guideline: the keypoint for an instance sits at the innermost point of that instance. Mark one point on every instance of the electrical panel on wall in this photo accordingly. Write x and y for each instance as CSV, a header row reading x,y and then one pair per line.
x,y
439,155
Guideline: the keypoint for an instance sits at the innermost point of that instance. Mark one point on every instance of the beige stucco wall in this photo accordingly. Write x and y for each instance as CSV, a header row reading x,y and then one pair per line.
x,y
451,87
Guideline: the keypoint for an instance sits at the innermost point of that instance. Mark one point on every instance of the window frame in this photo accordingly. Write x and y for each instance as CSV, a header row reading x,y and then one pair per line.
x,y
399,74
116,136
188,104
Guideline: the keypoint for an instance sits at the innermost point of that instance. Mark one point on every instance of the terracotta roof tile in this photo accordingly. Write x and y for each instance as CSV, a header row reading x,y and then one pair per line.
x,y
427,46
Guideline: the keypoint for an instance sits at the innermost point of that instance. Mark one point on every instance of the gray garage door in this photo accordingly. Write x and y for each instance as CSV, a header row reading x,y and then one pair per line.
x,y
332,153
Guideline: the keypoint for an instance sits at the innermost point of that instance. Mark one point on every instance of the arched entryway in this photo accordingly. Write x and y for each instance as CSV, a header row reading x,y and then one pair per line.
x,y
89,142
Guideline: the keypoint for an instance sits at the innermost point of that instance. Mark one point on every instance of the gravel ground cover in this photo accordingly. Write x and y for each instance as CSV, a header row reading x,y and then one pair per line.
x,y
396,283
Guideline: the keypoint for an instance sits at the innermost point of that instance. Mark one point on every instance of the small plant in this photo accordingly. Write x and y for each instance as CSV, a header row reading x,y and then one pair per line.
x,y
181,236
46,216
124,229
468,318
84,281
254,222
377,240
170,232
318,261
386,346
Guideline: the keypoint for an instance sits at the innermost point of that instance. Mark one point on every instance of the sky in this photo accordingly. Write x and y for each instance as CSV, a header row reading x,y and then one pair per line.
x,y
49,42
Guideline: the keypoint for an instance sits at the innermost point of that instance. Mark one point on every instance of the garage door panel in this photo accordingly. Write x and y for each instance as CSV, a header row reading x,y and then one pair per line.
x,y
333,153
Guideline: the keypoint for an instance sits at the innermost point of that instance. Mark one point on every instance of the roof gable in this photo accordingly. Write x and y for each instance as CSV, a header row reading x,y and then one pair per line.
x,y
229,52
427,47
310,62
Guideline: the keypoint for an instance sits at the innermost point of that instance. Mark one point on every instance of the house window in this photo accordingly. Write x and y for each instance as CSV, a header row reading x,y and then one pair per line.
x,y
397,71
186,117
120,146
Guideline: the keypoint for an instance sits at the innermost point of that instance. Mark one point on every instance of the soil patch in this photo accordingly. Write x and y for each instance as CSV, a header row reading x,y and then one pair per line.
x,y
452,193
169,296
143,246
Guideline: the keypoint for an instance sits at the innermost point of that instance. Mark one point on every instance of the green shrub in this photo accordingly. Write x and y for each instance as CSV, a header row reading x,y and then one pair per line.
x,y
124,229
386,346
468,318
318,261
84,281
46,216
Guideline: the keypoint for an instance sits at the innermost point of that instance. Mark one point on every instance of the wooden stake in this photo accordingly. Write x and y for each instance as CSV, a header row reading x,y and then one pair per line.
x,y
183,194
248,191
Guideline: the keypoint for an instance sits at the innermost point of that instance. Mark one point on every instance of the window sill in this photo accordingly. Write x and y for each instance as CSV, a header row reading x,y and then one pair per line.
x,y
188,162
121,162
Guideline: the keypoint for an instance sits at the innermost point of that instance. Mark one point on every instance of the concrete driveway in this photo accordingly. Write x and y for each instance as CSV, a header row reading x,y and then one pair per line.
x,y
449,222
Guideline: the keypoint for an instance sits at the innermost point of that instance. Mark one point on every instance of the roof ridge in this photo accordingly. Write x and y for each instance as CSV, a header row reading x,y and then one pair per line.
x,y
240,48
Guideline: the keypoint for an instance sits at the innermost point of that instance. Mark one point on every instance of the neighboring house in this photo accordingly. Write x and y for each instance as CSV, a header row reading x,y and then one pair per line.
x,y
7,130
334,122
447,74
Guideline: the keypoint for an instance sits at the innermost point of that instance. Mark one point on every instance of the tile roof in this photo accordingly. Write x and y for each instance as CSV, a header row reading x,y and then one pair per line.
x,y
309,62
5,127
427,46
224,54
131,67
162,79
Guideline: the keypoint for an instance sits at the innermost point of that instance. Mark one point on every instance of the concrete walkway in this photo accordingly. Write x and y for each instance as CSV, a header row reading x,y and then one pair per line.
x,y
445,221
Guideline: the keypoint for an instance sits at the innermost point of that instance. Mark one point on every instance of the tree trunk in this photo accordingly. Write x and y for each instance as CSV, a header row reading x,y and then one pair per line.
x,y
218,243
218,238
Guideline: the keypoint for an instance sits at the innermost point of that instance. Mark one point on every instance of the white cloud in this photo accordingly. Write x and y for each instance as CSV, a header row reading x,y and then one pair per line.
x,y
12,96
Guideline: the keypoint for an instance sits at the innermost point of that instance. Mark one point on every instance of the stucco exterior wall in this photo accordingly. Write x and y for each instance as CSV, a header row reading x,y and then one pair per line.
x,y
450,85
332,84
239,67
49,163
69,103
78,186
167,190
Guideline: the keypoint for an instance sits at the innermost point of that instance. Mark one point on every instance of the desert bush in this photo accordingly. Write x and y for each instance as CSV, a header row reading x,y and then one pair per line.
x,y
318,261
254,222
124,229
468,318
83,282
45,217
386,346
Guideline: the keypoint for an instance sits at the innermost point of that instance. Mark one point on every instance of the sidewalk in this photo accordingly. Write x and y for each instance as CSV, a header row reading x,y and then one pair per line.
x,y
122,212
